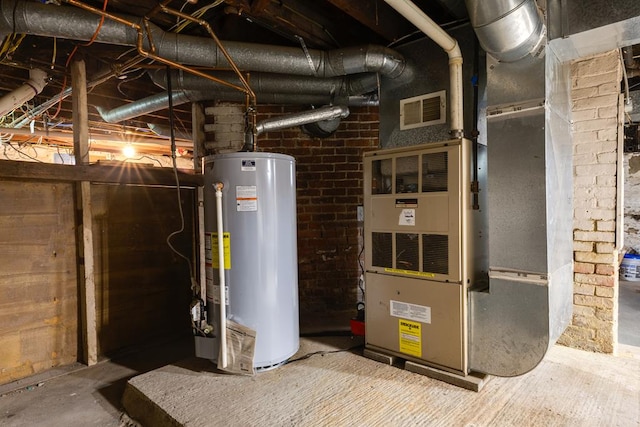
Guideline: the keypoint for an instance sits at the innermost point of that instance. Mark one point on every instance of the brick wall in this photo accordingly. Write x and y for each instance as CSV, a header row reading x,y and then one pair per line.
x,y
596,126
329,189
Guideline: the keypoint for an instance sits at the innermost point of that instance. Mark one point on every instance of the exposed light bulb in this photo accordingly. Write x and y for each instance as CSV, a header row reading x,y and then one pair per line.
x,y
129,151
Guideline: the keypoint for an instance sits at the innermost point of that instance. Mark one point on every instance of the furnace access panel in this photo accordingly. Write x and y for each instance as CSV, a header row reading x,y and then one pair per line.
x,y
416,241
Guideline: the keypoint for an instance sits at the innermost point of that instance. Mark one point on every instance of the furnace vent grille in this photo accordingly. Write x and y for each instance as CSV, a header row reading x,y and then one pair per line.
x,y
423,110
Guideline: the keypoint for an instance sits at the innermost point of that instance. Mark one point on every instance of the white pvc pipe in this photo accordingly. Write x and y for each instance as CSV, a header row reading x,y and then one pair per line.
x,y
417,17
14,99
223,306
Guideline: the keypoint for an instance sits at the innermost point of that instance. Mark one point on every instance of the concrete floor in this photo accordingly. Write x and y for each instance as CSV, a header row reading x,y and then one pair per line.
x,y
560,391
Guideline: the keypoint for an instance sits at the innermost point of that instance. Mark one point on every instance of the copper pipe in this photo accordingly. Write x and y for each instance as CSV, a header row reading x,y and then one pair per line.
x,y
153,56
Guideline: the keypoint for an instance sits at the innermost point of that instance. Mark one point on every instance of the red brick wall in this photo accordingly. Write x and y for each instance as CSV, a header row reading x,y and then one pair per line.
x,y
329,189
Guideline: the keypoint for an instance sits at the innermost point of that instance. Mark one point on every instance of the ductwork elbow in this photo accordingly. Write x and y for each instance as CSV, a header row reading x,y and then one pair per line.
x,y
508,29
364,59
25,93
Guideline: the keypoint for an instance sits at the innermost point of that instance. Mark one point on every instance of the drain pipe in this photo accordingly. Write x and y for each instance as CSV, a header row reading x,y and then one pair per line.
x,y
25,93
221,275
417,17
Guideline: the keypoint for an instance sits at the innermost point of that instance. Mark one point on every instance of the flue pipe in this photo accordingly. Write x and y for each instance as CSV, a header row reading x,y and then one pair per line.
x,y
25,93
417,17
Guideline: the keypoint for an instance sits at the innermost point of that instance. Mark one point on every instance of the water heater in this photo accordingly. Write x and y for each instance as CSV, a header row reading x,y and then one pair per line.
x,y
260,246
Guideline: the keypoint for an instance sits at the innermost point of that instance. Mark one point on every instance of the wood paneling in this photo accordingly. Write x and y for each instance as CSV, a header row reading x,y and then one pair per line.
x,y
38,287
142,287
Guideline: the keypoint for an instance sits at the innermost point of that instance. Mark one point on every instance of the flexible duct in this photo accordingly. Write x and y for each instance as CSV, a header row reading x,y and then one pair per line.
x,y
160,101
507,29
53,21
306,117
14,99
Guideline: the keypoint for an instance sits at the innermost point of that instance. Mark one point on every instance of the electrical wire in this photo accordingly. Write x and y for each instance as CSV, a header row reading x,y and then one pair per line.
x,y
175,174
322,353
73,52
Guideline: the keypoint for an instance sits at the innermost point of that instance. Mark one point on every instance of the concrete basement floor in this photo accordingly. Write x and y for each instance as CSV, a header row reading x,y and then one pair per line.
x,y
569,388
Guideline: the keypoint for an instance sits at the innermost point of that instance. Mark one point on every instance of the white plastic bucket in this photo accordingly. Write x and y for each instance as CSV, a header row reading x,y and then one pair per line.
x,y
630,268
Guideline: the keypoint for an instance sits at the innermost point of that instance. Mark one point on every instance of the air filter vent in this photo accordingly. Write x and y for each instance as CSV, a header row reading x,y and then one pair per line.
x,y
423,110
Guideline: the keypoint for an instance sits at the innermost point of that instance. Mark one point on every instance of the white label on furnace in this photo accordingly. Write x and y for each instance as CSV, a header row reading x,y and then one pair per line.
x,y
407,217
405,310
248,166
246,198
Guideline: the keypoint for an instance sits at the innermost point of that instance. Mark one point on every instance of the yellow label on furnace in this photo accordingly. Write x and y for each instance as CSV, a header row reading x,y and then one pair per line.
x,y
409,272
226,244
410,335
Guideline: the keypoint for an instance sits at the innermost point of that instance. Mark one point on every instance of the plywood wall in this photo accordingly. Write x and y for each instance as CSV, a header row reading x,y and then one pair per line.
x,y
142,287
38,286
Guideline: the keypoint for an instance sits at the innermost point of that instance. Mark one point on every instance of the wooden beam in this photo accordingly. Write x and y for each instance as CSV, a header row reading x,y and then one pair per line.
x,y
377,16
198,135
80,113
87,279
124,174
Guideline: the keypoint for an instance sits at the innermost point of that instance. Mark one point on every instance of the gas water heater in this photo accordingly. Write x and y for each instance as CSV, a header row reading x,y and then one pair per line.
x,y
260,248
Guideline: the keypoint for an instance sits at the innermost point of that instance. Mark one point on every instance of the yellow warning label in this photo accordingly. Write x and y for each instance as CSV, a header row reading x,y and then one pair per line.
x,y
226,244
410,334
408,272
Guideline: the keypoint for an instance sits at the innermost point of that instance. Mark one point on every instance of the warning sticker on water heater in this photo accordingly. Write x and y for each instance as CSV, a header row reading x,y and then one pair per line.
x,y
410,337
248,166
246,198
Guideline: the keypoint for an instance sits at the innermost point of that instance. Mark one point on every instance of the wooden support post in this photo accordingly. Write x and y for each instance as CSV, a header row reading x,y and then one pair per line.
x,y
86,274
80,113
197,132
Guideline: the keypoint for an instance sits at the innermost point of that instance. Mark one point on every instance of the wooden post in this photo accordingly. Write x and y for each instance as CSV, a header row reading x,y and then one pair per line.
x,y
80,113
86,274
197,132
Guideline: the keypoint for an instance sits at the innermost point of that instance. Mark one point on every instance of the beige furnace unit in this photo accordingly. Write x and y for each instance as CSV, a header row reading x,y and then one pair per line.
x,y
417,241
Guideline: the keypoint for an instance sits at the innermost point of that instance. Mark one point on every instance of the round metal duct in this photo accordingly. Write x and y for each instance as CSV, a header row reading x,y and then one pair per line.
x,y
507,29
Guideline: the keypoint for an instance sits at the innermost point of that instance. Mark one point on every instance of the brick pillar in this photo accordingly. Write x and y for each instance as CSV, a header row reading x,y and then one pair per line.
x,y
596,117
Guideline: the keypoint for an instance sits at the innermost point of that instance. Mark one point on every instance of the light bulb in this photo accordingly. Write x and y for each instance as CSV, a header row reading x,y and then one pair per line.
x,y
129,151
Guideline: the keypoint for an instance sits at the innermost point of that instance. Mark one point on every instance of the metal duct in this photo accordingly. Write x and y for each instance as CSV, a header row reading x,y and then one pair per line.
x,y
508,29
528,304
160,101
261,83
53,21
417,17
306,117
14,99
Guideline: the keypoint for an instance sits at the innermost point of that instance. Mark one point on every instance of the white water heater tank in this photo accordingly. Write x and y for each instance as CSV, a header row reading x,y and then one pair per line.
x,y
260,245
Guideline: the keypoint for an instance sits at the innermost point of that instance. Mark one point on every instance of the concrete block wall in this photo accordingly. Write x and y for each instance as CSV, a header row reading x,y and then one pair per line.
x,y
329,189
596,117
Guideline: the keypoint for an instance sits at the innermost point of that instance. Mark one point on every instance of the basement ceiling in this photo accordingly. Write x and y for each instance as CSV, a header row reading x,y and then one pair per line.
x,y
317,24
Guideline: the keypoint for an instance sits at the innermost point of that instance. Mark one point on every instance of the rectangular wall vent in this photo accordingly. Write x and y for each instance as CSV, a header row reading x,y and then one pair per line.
x,y
423,110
